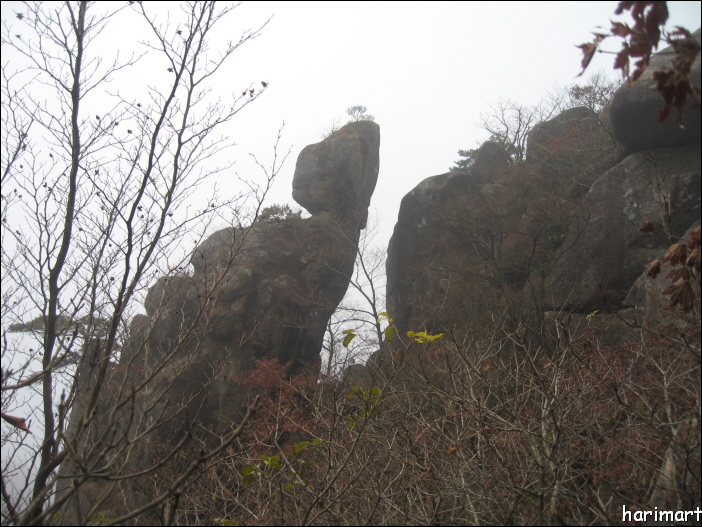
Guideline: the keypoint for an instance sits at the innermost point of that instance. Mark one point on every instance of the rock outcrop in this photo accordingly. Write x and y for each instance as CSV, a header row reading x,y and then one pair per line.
x,y
634,112
461,238
567,219
565,128
267,292
490,159
607,251
261,293
338,175
426,243
576,147
646,295
657,180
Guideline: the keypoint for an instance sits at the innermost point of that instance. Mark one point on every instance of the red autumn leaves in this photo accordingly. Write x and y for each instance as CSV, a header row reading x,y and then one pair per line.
x,y
684,258
639,41
17,422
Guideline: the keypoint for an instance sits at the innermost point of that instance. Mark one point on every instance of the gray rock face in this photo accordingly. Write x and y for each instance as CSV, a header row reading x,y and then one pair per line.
x,y
578,221
461,237
266,292
543,135
576,146
426,240
489,160
448,253
608,253
646,295
431,258
634,115
338,175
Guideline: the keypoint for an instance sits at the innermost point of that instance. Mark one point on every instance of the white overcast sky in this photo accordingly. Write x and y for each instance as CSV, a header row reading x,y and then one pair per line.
x,y
425,70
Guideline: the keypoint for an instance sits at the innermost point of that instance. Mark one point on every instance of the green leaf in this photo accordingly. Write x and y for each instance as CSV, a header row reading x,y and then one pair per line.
x,y
592,314
422,336
248,480
376,391
277,466
384,314
318,442
352,424
265,458
248,469
297,448
100,518
389,333
275,459
348,338
289,486
225,522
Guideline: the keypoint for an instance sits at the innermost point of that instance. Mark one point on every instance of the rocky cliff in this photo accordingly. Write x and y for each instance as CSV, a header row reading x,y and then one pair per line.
x,y
559,230
657,179
261,293
266,292
635,107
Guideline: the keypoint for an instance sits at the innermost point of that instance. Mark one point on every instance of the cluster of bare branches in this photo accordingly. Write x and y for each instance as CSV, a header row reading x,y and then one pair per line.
x,y
97,196
510,123
359,313
561,422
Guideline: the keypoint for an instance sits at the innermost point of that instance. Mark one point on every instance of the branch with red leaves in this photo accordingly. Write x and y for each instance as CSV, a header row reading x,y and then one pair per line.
x,y
640,40
686,262
17,422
